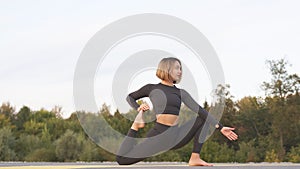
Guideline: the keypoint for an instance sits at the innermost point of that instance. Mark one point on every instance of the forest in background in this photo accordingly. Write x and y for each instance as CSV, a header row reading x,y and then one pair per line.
x,y
268,129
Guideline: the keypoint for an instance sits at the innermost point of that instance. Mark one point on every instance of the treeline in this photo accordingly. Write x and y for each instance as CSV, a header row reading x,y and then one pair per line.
x,y
268,129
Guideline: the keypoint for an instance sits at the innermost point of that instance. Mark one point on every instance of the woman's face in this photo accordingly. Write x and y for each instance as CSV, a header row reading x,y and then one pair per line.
x,y
176,71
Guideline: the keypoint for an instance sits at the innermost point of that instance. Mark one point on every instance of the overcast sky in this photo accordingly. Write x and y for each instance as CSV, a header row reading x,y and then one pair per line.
x,y
40,42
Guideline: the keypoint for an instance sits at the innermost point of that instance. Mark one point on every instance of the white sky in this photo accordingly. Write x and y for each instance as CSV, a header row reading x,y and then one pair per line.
x,y
40,42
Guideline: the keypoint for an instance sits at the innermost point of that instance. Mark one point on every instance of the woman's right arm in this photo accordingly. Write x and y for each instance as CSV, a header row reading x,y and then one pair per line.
x,y
134,96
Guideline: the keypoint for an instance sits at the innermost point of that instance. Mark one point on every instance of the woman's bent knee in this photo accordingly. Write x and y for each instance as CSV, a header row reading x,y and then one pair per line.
x,y
122,160
126,160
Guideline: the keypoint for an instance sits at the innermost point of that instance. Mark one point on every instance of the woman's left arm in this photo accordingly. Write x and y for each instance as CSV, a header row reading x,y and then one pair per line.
x,y
194,106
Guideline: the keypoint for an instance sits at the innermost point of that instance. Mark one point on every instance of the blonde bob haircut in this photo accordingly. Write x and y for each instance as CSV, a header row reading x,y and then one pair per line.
x,y
165,67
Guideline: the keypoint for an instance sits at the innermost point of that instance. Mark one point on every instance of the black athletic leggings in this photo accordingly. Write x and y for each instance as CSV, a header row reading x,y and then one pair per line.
x,y
160,138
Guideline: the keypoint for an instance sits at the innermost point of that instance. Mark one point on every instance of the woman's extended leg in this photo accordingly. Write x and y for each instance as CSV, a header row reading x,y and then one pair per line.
x,y
188,131
198,133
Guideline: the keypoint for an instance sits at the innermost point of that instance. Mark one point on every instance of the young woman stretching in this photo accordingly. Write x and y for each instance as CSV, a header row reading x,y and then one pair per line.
x,y
166,134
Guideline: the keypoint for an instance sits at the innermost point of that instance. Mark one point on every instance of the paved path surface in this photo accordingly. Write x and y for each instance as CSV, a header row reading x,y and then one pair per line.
x,y
142,165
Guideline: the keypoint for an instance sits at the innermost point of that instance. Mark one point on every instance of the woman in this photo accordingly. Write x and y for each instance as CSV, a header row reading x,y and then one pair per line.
x,y
166,134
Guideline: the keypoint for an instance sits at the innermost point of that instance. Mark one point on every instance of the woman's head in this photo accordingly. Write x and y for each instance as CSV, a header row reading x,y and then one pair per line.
x,y
169,69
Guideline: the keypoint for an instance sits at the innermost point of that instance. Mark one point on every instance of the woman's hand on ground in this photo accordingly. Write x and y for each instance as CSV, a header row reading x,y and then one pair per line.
x,y
144,107
229,133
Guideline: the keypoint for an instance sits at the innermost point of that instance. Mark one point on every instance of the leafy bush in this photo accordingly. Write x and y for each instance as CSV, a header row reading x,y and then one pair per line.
x,y
294,154
42,154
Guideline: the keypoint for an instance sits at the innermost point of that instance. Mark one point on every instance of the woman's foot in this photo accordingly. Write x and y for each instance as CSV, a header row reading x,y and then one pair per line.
x,y
195,160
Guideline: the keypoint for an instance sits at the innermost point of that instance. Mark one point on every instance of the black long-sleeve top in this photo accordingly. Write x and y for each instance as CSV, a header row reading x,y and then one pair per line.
x,y
167,100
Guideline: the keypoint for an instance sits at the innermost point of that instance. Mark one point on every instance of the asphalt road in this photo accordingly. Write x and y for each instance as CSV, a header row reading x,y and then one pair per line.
x,y
142,165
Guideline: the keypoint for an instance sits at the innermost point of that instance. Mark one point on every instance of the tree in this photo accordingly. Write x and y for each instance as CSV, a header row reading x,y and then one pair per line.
x,y
22,116
253,118
7,110
7,115
57,110
26,144
68,147
282,84
230,114
281,87
90,151
7,143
